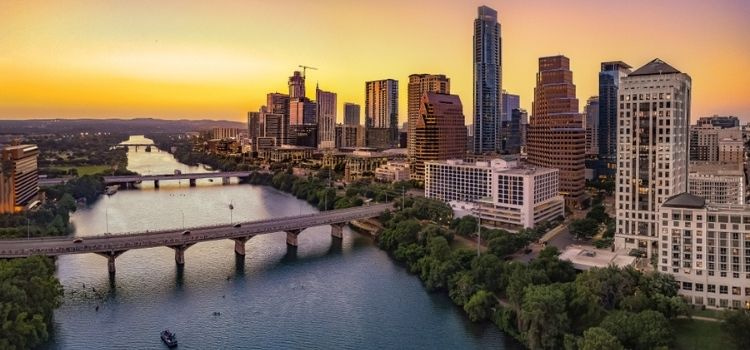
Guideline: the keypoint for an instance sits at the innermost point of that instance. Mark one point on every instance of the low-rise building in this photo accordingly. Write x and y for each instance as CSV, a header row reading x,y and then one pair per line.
x,y
392,171
285,153
718,182
505,193
706,247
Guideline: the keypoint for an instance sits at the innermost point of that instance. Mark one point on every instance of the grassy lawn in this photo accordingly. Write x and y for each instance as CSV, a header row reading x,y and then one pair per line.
x,y
703,335
708,313
86,169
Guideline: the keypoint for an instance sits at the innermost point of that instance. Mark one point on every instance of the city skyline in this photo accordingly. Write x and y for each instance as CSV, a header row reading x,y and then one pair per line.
x,y
218,61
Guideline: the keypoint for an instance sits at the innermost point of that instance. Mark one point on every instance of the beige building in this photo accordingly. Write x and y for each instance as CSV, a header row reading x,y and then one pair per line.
x,y
706,247
652,150
392,171
19,178
285,153
718,182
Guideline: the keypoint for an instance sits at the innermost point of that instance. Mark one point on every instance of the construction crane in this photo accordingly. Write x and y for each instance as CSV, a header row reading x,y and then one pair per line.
x,y
305,68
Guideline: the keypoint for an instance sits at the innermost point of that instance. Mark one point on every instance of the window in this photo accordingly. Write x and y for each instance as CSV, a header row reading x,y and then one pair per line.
x,y
723,290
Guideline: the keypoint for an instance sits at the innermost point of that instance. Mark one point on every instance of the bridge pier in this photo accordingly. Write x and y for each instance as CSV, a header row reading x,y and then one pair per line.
x,y
225,181
239,245
156,183
192,182
179,253
337,230
291,237
111,256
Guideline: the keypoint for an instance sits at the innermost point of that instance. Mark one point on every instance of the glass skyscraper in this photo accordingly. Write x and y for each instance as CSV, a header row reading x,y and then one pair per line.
x,y
487,80
609,82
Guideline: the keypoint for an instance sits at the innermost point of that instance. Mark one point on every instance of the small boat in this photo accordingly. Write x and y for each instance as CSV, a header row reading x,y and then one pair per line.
x,y
169,338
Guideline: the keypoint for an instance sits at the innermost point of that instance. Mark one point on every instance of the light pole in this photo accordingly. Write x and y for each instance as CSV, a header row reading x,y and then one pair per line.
x,y
231,209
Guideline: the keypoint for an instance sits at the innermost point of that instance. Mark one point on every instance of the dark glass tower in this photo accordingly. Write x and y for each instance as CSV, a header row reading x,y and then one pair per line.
x,y
487,81
609,84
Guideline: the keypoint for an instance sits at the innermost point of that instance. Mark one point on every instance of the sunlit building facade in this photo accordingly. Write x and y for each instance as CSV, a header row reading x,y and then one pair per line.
x,y
487,53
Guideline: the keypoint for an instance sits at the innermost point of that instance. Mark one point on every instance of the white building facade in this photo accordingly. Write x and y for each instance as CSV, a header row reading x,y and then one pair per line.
x,y
502,193
706,247
652,150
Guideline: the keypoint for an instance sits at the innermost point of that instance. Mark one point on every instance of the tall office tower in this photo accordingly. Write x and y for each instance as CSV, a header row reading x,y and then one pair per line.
x,y
274,128
609,83
253,129
510,102
708,141
351,113
487,80
652,157
302,111
523,127
510,140
19,185
419,84
556,138
439,131
278,104
591,125
381,113
297,85
326,103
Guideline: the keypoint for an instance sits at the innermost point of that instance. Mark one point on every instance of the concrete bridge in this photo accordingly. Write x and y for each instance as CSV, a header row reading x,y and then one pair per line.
x,y
112,246
131,179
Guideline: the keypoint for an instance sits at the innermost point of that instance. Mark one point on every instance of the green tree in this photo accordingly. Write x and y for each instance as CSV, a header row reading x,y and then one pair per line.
x,y
597,338
736,324
479,306
584,229
644,330
543,316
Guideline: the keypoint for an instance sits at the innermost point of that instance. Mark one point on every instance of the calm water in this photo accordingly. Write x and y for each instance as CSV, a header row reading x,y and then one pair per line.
x,y
324,295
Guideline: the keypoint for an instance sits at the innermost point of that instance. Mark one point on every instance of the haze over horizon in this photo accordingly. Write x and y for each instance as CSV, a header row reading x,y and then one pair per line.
x,y
176,59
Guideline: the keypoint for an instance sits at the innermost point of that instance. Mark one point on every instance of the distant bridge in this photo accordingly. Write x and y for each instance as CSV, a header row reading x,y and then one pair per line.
x,y
131,179
112,246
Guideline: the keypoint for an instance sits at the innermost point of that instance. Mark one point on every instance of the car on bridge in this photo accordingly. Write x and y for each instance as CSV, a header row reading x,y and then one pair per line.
x,y
78,240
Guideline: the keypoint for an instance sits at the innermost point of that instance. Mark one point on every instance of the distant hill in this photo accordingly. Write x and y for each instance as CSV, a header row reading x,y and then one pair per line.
x,y
128,126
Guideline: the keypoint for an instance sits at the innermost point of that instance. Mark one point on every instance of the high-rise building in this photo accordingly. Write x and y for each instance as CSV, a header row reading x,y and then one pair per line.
x,y
708,141
381,113
487,80
609,83
439,131
704,246
419,84
19,178
350,136
278,104
510,132
652,157
326,103
351,113
225,133
297,85
302,111
591,125
303,135
253,129
510,102
274,127
555,135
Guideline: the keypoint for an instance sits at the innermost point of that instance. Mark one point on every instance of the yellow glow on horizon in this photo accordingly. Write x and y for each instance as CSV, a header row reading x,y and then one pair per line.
x,y
178,59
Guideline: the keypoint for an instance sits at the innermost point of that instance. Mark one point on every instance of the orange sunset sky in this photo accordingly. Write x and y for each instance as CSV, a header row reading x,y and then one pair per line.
x,y
217,59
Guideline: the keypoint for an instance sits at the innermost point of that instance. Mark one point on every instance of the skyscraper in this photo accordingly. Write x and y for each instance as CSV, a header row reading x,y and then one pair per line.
x,y
419,84
253,129
351,113
297,85
652,157
439,131
326,106
591,125
19,185
487,80
555,137
609,83
381,113
278,105
510,102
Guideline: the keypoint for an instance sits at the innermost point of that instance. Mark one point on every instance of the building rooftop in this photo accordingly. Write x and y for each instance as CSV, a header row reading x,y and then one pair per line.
x,y
655,67
685,200
585,258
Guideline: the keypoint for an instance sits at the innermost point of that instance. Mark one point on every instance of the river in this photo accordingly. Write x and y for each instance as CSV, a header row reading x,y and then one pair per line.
x,y
349,295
